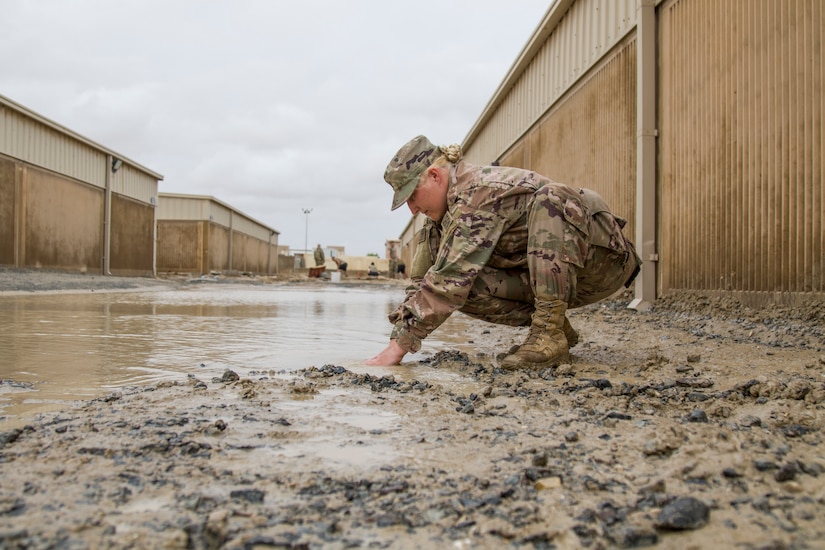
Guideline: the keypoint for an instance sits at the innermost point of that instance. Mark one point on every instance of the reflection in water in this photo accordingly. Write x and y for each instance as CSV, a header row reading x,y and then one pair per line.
x,y
55,348
64,347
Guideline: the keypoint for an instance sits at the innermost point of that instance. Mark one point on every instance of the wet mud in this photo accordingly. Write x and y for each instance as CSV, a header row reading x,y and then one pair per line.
x,y
697,424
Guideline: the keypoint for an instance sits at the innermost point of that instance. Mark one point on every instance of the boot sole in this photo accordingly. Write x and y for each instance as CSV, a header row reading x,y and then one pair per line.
x,y
524,365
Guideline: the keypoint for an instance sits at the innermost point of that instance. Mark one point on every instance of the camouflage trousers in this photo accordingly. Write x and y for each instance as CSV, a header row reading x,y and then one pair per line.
x,y
578,256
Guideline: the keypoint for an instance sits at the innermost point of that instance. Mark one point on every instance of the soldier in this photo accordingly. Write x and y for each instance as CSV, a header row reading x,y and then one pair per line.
x,y
393,263
505,245
319,256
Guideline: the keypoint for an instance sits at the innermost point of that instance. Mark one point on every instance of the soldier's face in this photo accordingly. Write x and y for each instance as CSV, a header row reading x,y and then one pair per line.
x,y
430,197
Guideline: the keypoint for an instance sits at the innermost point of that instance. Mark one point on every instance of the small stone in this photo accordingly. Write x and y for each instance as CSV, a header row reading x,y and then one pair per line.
x,y
697,415
633,537
792,487
230,376
684,513
786,473
540,460
548,483
254,496
751,421
765,465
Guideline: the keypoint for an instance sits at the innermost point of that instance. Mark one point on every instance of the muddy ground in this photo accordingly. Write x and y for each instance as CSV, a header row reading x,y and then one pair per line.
x,y
696,424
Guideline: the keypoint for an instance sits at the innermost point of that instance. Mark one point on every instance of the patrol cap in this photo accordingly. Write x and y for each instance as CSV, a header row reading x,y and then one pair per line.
x,y
405,168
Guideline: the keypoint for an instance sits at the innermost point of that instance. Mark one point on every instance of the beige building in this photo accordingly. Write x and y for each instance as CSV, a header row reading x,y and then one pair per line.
x,y
200,234
68,203
699,121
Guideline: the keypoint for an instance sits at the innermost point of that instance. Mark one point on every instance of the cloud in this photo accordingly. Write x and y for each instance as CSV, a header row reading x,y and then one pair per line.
x,y
270,106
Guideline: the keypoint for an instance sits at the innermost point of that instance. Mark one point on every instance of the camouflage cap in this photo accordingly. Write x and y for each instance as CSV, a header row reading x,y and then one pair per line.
x,y
405,169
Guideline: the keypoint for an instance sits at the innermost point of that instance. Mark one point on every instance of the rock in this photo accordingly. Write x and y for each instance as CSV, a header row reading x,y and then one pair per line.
x,y
548,483
697,415
765,465
633,537
683,513
254,496
229,376
787,472
750,421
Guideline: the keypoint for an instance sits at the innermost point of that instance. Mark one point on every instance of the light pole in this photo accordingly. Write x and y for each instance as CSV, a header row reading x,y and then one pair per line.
x,y
306,228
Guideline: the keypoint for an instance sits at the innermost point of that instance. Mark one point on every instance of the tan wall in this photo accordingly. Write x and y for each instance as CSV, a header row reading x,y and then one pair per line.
x,y
63,223
49,221
253,255
53,222
180,247
742,192
589,139
201,247
7,211
133,238
574,36
739,180
217,253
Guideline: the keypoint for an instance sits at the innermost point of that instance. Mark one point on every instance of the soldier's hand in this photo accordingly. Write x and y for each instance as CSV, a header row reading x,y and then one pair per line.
x,y
391,355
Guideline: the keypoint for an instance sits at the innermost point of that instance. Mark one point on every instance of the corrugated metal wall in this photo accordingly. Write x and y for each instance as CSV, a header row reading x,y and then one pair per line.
x,y
52,183
198,233
27,139
740,197
585,34
741,145
32,139
589,139
133,238
135,184
60,223
180,246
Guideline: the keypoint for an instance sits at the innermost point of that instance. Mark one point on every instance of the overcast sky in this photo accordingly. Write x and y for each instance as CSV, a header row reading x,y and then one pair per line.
x,y
271,106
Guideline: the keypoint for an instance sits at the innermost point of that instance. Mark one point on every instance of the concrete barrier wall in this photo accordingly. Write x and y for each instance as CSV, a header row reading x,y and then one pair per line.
x,y
199,247
49,221
133,242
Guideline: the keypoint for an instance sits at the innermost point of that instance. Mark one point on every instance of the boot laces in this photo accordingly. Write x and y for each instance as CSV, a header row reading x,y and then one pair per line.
x,y
532,337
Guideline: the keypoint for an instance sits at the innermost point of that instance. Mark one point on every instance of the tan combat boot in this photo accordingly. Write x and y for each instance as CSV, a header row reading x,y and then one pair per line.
x,y
546,344
570,333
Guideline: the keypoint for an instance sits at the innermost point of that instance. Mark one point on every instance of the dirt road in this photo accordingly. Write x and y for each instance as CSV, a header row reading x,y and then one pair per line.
x,y
697,424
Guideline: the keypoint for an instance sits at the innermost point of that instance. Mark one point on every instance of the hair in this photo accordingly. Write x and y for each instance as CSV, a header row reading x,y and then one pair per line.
x,y
450,154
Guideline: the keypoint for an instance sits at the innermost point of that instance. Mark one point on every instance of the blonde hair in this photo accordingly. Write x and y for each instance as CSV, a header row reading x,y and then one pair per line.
x,y
451,152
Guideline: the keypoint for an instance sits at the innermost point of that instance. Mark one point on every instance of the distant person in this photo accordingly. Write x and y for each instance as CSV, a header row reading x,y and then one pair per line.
x,y
319,256
372,271
342,265
505,245
401,272
393,263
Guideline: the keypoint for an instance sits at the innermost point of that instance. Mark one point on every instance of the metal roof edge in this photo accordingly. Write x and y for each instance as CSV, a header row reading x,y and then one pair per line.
x,y
62,129
217,201
545,28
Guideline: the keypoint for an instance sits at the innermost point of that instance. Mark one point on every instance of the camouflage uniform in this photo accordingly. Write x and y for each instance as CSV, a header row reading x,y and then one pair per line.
x,y
391,273
510,238
319,255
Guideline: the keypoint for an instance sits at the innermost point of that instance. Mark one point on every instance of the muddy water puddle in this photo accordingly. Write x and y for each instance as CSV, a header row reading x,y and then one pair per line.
x,y
60,348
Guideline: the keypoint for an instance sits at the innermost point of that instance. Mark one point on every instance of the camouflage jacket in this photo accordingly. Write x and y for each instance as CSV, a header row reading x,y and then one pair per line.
x,y
485,225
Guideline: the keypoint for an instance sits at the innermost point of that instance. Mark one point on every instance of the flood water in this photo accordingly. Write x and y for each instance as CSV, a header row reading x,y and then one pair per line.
x,y
60,348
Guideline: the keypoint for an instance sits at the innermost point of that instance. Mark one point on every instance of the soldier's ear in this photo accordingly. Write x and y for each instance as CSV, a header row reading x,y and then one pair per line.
x,y
435,173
